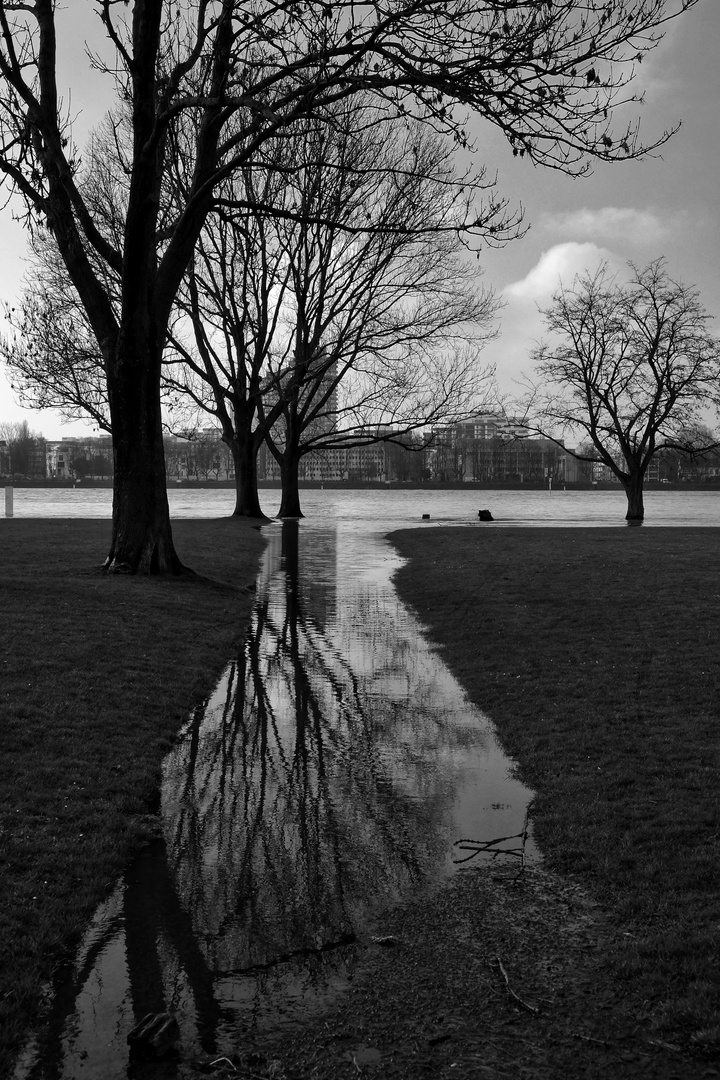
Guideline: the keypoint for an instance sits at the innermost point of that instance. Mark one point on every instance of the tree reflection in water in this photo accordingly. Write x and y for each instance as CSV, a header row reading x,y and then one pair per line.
x,y
329,772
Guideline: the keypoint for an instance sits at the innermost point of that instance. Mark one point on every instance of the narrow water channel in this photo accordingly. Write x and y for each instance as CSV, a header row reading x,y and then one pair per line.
x,y
332,771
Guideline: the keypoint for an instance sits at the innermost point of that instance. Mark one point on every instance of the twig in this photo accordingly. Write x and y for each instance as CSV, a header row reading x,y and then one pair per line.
x,y
511,992
475,847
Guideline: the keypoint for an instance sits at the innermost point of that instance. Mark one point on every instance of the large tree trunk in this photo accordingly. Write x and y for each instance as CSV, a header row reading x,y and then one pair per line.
x,y
244,449
289,469
141,535
634,491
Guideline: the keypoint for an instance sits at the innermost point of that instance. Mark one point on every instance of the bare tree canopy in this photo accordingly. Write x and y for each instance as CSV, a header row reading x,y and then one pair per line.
x,y
331,295
52,356
551,75
384,323
631,367
25,449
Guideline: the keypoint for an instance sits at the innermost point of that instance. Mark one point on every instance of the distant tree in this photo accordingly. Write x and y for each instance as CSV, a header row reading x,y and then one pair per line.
x,y
88,462
448,455
690,463
100,465
80,466
26,448
550,76
406,460
632,367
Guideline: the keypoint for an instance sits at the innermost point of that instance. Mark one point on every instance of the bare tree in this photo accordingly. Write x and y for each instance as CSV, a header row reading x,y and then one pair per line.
x,y
384,323
551,76
697,465
631,367
229,310
331,265
26,448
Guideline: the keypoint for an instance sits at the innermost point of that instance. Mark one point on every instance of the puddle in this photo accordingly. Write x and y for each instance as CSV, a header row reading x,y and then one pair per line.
x,y
333,770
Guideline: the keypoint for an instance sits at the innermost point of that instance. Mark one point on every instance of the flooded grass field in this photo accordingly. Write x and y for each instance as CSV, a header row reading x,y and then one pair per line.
x,y
335,769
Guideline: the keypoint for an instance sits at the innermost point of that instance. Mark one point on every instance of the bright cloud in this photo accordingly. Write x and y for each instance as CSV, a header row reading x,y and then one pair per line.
x,y
521,324
607,224
562,263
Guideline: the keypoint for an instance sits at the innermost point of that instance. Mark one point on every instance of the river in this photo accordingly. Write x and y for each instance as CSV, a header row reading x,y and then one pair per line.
x,y
404,506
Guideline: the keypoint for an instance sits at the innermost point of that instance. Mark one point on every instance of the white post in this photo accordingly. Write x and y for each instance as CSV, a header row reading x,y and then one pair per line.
x,y
8,502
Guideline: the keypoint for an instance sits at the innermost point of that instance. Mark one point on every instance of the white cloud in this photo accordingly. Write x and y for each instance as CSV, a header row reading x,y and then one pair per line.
x,y
560,263
522,324
607,224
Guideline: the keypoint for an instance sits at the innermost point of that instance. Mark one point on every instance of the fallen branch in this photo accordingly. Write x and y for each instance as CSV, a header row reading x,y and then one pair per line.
x,y
476,847
511,992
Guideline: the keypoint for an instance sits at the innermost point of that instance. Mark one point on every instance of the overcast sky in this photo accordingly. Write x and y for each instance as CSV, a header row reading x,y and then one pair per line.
x,y
638,210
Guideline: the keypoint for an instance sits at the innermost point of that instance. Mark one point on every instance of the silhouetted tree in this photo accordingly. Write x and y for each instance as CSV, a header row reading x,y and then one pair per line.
x,y
384,322
26,448
630,366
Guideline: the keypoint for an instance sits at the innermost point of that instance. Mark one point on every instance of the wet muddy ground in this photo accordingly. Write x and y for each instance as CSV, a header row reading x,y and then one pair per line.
x,y
495,974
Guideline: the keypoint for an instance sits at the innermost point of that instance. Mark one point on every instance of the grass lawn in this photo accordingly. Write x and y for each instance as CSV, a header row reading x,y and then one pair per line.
x,y
96,675
595,651
597,654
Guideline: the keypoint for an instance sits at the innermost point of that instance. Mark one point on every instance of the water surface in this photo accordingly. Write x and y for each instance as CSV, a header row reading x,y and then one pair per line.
x,y
399,506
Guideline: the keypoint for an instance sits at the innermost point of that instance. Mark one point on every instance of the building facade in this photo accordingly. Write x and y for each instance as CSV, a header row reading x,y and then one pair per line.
x,y
79,459
490,448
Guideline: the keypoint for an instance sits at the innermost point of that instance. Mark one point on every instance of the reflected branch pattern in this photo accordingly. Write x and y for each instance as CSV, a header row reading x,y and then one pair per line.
x,y
291,804
321,778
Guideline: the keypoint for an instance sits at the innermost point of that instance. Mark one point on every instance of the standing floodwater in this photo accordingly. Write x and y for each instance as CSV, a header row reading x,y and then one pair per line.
x,y
330,773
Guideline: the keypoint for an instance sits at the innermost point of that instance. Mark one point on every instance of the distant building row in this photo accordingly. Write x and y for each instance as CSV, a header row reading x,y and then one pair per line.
x,y
485,448
66,459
